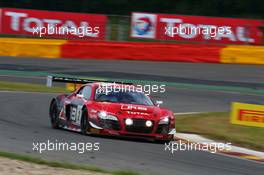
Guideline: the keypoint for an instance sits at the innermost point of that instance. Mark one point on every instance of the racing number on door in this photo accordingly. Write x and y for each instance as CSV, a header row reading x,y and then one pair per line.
x,y
76,114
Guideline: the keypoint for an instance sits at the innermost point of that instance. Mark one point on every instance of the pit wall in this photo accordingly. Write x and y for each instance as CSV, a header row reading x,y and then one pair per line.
x,y
50,48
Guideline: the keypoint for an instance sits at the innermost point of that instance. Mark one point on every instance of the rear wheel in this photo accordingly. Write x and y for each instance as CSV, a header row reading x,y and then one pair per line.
x,y
54,116
85,126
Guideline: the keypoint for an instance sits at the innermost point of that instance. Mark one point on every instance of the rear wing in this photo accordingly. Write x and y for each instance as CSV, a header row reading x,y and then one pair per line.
x,y
51,79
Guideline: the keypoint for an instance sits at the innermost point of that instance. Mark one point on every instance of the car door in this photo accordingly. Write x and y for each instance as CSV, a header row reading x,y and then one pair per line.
x,y
77,103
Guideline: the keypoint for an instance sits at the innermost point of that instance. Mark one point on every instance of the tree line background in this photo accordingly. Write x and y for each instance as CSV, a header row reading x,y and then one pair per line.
x,y
222,8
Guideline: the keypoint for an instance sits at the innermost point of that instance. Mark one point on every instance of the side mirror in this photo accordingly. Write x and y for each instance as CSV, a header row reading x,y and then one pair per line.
x,y
158,103
79,95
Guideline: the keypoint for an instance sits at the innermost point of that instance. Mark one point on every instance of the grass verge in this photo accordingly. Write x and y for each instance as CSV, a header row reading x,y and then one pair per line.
x,y
64,165
216,125
12,86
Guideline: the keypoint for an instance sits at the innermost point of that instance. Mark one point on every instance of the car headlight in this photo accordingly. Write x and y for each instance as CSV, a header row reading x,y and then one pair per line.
x,y
111,117
149,123
164,120
129,121
103,115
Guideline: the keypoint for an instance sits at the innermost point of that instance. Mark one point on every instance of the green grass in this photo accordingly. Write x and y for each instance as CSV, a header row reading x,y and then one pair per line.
x,y
64,165
217,126
13,86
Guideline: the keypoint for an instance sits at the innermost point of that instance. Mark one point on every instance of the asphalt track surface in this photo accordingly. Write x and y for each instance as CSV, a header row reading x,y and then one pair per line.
x,y
177,99
24,116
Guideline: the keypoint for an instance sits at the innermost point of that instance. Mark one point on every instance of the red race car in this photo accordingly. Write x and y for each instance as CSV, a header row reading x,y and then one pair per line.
x,y
109,108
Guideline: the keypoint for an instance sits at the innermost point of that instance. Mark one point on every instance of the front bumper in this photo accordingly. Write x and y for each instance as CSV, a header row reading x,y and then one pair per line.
x,y
158,132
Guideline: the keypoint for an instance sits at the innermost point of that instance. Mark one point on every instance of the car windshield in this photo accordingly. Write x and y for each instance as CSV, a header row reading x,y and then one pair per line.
x,y
127,97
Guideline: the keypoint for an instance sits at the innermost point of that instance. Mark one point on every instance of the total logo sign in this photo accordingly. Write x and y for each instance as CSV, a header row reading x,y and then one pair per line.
x,y
143,25
27,22
209,29
196,28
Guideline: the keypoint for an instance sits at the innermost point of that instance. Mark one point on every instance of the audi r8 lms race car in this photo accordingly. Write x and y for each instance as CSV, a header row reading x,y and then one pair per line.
x,y
108,108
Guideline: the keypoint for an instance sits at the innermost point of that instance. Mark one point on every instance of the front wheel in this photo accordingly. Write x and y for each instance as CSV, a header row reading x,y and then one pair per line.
x,y
85,126
54,116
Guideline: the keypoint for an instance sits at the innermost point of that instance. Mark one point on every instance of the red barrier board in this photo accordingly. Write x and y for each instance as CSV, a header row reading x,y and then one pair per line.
x,y
141,51
53,24
1,21
196,28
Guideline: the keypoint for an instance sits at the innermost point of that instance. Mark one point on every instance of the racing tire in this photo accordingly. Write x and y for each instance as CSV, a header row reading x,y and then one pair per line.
x,y
85,126
54,115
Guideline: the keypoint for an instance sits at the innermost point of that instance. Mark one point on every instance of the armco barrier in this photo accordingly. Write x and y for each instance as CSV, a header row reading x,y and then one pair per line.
x,y
243,54
31,47
51,48
141,51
